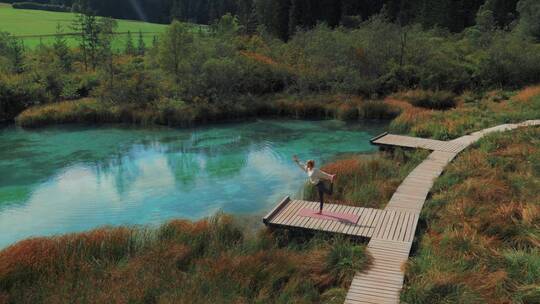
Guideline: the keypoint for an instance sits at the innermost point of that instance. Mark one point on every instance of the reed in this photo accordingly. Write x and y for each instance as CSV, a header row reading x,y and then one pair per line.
x,y
481,240
212,260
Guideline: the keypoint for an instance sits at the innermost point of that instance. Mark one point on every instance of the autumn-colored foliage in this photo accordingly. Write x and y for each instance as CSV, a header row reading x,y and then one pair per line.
x,y
369,181
481,241
211,260
528,93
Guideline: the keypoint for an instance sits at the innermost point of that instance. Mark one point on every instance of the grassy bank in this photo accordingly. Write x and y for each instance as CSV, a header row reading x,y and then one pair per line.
x,y
208,261
473,113
177,113
37,26
481,240
368,181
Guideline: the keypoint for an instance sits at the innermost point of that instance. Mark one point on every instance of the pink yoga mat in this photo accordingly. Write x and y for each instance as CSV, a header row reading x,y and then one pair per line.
x,y
327,215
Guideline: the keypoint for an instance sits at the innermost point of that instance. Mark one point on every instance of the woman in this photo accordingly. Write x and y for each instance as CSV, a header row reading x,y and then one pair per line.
x,y
316,178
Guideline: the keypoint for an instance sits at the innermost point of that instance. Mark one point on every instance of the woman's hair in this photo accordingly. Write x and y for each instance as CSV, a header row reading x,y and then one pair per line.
x,y
310,163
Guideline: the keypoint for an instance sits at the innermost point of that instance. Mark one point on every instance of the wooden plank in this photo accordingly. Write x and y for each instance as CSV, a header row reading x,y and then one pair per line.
x,y
363,222
341,224
276,209
278,218
287,216
374,223
368,223
357,211
297,219
387,225
326,223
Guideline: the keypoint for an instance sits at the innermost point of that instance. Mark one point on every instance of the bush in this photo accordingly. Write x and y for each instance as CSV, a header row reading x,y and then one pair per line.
x,y
436,100
17,93
378,110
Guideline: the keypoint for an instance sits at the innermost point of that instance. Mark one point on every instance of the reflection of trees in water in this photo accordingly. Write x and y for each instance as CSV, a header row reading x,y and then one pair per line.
x,y
226,165
185,168
121,167
221,156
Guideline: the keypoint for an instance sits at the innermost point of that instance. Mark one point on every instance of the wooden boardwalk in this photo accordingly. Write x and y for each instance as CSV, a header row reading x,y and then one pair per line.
x,y
391,231
396,225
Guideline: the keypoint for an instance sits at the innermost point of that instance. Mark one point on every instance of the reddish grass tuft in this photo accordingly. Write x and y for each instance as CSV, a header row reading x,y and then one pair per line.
x,y
528,93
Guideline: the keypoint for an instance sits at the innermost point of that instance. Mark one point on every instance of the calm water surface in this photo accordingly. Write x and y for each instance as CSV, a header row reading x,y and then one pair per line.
x,y
69,179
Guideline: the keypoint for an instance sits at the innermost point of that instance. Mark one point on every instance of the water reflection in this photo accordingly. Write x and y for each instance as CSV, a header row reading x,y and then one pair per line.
x,y
71,179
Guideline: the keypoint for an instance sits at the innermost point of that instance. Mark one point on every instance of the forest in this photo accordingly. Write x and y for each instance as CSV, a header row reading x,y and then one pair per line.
x,y
284,17
226,72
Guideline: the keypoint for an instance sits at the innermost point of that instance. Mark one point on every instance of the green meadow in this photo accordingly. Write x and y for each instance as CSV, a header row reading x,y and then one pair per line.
x,y
35,26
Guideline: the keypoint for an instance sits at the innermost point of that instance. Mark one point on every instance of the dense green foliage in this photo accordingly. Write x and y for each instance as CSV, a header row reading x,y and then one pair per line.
x,y
39,6
223,66
283,17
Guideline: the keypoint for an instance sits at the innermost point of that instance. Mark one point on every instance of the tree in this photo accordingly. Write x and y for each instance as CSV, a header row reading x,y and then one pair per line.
x,y
106,55
87,27
16,55
141,47
129,48
529,18
61,49
226,27
175,48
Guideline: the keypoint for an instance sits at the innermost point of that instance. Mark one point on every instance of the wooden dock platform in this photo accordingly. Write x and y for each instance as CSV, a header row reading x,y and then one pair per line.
x,y
396,225
391,231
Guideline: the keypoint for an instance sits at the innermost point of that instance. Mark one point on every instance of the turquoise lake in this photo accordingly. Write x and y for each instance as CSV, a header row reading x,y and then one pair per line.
x,y
70,179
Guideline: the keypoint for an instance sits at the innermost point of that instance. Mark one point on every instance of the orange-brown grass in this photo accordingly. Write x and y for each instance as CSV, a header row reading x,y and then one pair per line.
x,y
493,108
528,93
368,182
210,260
481,240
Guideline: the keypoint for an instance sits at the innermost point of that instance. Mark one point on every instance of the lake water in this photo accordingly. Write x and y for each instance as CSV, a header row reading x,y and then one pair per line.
x,y
70,179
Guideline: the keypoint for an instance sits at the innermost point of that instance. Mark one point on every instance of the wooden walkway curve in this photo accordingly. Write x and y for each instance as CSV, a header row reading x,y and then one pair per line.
x,y
391,231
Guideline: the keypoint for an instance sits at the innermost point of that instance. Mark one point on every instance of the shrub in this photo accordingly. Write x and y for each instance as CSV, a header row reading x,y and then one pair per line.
x,y
436,100
378,110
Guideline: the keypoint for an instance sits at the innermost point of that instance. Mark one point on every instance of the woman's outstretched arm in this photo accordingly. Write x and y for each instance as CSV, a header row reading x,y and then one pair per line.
x,y
323,175
299,163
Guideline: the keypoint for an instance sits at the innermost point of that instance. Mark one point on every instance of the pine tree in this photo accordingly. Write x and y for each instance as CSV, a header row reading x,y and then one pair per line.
x,y
61,49
17,55
252,23
129,49
141,47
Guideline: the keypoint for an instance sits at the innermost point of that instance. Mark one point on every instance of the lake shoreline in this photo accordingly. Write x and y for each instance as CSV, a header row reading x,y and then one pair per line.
x,y
180,114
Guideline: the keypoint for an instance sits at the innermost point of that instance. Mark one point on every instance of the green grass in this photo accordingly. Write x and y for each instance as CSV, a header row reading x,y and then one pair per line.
x,y
35,25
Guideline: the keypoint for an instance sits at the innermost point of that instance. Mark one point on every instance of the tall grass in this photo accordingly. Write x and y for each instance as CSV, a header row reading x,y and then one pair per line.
x,y
178,113
366,181
482,238
212,260
491,109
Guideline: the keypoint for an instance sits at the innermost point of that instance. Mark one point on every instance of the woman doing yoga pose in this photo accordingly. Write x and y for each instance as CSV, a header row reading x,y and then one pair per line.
x,y
316,178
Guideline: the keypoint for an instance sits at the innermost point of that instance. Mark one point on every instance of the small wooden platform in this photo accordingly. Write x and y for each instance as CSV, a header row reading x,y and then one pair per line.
x,y
414,142
389,224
